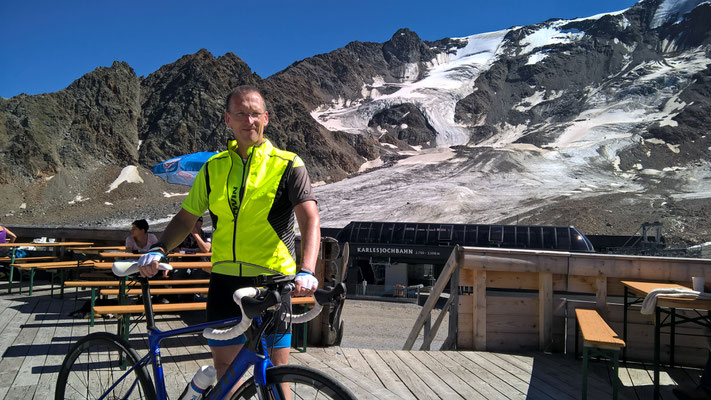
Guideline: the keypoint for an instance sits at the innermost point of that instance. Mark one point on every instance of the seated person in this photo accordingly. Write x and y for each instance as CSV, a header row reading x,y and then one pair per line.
x,y
196,242
6,235
140,241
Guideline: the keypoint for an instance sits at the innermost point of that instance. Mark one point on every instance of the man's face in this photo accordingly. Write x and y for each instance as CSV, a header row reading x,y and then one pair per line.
x,y
247,118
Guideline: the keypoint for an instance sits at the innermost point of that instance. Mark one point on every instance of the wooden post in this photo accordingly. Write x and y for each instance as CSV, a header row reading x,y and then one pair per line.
x,y
449,267
450,343
601,295
479,310
545,309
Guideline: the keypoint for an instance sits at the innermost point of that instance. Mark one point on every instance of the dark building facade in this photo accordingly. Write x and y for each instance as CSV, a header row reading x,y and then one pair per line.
x,y
384,254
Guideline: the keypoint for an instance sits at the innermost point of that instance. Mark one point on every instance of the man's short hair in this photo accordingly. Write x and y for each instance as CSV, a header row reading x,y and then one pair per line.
x,y
244,89
141,224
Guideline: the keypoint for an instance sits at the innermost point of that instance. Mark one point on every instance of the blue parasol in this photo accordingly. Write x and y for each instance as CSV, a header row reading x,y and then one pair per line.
x,y
182,169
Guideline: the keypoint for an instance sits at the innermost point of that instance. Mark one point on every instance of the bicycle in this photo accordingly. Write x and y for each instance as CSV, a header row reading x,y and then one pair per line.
x,y
104,365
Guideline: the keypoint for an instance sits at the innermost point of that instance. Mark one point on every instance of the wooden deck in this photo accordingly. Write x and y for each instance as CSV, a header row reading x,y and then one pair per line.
x,y
36,332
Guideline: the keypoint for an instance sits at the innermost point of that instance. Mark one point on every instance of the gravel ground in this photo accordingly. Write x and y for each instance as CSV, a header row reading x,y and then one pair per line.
x,y
384,325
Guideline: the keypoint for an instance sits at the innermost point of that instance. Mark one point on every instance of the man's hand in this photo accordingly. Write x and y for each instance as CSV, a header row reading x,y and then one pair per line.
x,y
306,284
148,264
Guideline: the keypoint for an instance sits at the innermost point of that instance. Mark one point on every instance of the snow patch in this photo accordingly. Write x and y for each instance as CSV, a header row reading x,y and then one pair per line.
x,y
672,11
535,58
436,95
429,157
78,199
673,147
128,174
530,101
370,164
169,195
550,35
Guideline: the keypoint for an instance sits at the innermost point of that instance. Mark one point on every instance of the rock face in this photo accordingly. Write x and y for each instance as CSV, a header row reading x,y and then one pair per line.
x,y
620,101
405,122
93,121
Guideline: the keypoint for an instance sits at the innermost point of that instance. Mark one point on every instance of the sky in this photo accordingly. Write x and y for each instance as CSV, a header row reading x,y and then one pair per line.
x,y
46,44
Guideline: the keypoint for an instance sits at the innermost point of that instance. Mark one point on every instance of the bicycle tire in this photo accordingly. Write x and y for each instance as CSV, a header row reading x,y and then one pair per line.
x,y
94,363
304,382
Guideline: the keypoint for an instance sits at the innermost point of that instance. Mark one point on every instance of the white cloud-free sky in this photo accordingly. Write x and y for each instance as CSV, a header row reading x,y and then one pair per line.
x,y
46,45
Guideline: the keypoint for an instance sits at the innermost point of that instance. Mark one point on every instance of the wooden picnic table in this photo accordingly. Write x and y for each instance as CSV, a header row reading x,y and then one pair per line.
x,y
122,284
52,267
169,255
97,249
668,306
44,244
102,265
13,249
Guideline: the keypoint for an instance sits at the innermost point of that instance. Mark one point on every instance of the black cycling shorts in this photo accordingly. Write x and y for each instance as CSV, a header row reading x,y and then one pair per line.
x,y
220,304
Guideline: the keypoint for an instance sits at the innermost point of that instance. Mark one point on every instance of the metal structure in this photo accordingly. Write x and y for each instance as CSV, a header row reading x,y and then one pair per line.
x,y
383,250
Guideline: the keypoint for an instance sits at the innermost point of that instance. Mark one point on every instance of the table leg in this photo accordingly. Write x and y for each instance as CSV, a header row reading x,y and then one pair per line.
x,y
586,354
19,280
9,280
12,269
32,279
624,325
657,322
615,373
61,282
672,339
93,301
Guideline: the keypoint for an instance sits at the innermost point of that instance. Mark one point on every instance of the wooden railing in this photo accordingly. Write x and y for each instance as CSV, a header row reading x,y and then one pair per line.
x,y
513,300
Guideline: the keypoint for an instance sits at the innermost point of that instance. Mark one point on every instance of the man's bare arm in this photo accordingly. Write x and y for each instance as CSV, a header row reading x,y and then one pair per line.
x,y
178,229
310,228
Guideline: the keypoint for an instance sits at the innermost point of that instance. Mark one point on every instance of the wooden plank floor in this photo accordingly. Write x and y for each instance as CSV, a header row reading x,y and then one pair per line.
x,y
37,331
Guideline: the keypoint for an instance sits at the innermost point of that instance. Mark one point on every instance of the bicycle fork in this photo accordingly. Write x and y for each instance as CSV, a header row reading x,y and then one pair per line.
x,y
245,359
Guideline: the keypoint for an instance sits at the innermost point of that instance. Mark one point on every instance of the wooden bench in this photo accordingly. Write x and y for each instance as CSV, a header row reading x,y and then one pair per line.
x,y
52,267
103,265
27,259
135,292
124,312
93,285
169,255
598,339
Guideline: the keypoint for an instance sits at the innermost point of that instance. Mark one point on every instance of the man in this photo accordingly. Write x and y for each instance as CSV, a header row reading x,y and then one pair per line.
x,y
252,191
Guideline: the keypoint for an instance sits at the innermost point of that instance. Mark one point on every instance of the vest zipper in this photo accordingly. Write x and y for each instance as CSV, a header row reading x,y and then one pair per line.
x,y
245,176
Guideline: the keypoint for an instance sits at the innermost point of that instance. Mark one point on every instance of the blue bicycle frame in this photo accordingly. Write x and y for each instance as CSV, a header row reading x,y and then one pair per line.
x,y
244,359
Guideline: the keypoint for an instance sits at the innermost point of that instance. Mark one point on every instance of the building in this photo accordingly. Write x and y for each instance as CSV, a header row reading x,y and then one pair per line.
x,y
386,254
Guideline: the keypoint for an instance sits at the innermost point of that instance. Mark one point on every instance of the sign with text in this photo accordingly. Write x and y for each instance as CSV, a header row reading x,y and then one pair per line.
x,y
428,253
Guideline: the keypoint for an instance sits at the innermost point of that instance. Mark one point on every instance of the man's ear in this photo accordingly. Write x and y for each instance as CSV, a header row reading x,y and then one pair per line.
x,y
266,118
227,118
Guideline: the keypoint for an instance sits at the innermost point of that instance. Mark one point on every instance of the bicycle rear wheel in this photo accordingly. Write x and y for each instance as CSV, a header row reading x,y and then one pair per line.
x,y
95,363
304,383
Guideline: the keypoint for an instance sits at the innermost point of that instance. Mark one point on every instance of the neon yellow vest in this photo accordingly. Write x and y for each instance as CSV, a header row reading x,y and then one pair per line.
x,y
260,231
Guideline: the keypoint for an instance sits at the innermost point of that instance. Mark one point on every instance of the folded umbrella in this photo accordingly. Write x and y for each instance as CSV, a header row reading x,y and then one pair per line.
x,y
182,169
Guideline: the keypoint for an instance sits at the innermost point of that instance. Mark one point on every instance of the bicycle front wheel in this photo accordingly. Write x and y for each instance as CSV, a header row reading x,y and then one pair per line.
x,y
97,362
304,383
